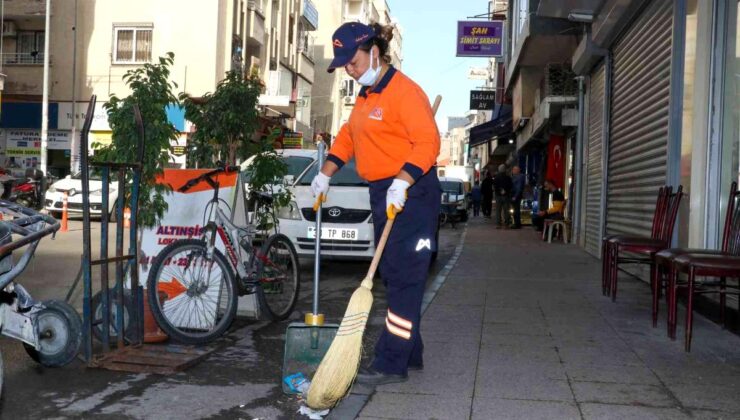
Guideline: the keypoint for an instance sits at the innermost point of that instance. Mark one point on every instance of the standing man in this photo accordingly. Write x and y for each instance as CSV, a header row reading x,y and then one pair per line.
x,y
475,197
518,181
486,190
555,211
394,139
502,189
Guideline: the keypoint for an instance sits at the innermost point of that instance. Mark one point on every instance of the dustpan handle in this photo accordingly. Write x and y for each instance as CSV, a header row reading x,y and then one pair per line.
x,y
317,240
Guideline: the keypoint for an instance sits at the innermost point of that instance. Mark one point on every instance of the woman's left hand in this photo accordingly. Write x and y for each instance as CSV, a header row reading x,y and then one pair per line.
x,y
395,198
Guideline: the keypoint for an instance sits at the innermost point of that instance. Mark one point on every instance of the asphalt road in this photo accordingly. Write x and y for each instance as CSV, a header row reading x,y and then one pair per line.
x,y
241,379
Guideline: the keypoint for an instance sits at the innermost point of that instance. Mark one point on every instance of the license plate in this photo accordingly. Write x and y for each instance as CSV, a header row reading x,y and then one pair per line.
x,y
334,233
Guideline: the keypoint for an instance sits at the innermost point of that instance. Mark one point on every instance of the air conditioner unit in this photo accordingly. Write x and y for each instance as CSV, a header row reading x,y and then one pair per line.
x,y
9,28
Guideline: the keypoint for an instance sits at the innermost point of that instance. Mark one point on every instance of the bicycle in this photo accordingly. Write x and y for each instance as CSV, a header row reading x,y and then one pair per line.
x,y
197,285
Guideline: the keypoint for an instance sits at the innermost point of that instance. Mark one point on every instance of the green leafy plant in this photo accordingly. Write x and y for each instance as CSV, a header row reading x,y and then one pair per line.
x,y
225,120
152,91
225,125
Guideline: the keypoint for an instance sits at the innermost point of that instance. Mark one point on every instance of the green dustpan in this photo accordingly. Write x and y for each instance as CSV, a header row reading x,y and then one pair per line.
x,y
306,342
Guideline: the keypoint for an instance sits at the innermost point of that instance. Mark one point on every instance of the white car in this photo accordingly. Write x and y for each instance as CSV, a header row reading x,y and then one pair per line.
x,y
347,228
453,194
72,185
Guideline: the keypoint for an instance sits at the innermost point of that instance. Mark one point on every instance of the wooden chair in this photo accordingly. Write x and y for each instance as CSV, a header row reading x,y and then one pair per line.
x,y
606,255
644,247
718,266
664,259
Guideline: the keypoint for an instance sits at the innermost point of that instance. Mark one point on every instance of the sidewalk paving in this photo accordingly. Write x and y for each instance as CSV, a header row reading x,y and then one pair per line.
x,y
520,330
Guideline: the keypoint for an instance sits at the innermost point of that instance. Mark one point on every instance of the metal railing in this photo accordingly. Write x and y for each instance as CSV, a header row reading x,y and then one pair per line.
x,y
23,58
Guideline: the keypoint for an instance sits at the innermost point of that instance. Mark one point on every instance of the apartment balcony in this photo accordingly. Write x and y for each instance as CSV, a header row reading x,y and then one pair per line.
x,y
23,79
540,41
256,36
23,59
557,92
24,8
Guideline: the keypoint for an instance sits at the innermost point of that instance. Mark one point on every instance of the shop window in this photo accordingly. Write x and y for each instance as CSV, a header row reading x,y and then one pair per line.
x,y
132,45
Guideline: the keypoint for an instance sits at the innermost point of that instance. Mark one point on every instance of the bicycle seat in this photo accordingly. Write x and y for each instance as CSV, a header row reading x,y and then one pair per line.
x,y
6,261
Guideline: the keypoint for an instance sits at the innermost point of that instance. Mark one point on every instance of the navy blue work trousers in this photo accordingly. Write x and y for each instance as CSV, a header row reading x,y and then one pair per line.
x,y
404,267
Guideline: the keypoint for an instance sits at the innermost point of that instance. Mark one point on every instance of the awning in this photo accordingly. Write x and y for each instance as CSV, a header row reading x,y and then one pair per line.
x,y
499,126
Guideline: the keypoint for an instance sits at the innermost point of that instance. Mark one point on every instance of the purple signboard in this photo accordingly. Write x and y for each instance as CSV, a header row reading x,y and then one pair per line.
x,y
480,38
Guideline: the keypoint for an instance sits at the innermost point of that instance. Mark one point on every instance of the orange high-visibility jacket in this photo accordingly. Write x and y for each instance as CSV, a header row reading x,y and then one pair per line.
x,y
391,128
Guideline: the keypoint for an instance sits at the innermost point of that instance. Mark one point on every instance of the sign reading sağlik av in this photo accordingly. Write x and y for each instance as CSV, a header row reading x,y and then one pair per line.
x,y
480,38
482,100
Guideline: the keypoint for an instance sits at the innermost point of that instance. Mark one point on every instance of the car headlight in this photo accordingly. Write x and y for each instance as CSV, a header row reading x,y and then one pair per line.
x,y
290,212
71,192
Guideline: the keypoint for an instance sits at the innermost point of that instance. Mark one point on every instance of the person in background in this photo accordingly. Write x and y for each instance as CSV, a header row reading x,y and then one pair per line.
x,y
475,197
517,192
555,211
486,189
502,189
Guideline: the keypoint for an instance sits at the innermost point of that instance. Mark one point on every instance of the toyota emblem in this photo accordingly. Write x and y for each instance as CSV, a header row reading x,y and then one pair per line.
x,y
335,212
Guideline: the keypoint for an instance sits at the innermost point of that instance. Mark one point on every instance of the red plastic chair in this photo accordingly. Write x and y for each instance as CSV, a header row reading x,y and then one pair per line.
x,y
645,247
717,266
664,259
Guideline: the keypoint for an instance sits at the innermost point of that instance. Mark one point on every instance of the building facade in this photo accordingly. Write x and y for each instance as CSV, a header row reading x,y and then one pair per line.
x,y
657,96
93,43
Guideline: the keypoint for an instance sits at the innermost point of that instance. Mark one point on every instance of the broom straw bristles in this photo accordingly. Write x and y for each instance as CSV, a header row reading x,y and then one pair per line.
x,y
341,362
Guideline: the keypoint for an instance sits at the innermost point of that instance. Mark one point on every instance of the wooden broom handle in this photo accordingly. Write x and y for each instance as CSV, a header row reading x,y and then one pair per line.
x,y
368,281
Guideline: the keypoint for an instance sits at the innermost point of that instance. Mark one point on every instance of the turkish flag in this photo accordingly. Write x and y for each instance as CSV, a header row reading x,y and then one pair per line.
x,y
556,160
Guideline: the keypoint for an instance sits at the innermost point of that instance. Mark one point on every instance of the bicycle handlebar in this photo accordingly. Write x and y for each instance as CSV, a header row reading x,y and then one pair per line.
x,y
208,175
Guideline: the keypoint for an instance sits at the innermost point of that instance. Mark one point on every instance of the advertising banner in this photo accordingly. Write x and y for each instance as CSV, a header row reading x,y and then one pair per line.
x,y
185,217
480,38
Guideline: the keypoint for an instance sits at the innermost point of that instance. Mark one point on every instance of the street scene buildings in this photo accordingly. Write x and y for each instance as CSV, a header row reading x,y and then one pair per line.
x,y
584,260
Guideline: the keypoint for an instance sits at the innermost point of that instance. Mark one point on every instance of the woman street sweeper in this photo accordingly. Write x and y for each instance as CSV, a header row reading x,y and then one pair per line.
x,y
393,137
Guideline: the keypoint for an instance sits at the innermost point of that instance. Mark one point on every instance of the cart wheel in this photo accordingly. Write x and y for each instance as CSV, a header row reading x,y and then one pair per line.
x,y
97,309
60,334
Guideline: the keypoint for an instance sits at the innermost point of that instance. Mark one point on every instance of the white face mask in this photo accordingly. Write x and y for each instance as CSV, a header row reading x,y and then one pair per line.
x,y
371,74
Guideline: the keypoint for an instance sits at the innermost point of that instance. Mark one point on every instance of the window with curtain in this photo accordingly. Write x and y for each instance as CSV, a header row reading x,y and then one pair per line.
x,y
132,45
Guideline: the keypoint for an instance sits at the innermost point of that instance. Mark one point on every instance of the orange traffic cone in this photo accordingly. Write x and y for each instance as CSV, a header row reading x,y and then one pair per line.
x,y
65,226
152,332
127,217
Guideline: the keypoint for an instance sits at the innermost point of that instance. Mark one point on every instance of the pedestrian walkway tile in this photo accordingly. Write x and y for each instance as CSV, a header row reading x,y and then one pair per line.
x,y
527,387
717,397
612,374
628,412
504,409
631,394
408,406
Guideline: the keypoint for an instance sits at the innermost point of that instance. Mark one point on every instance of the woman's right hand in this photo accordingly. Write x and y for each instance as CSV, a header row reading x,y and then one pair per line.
x,y
320,187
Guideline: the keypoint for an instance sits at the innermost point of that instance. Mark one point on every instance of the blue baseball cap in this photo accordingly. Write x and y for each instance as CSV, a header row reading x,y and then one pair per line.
x,y
346,40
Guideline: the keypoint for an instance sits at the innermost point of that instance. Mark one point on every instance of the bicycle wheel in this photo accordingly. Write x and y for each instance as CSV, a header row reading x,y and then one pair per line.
x,y
196,297
279,277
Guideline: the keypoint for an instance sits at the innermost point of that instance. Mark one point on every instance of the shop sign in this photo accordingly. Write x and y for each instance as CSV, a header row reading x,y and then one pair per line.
x,y
482,100
480,38
292,140
31,139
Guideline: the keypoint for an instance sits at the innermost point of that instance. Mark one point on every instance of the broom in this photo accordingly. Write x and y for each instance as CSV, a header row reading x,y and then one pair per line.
x,y
340,364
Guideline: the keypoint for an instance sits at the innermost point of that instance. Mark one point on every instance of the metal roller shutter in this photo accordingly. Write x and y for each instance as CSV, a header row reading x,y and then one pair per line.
x,y
594,166
639,120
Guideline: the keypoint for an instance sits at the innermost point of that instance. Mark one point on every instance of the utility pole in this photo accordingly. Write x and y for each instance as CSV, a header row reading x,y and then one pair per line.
x,y
45,98
74,152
